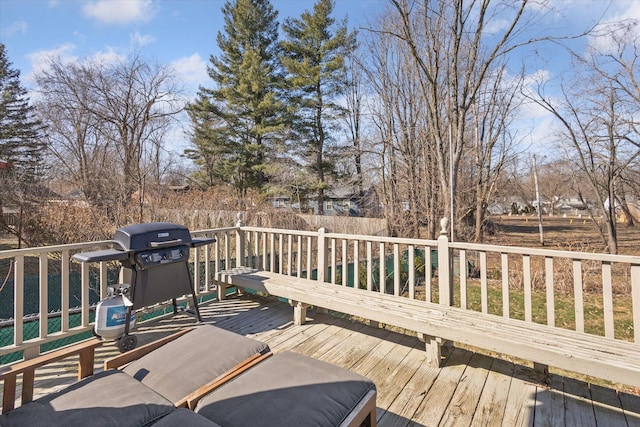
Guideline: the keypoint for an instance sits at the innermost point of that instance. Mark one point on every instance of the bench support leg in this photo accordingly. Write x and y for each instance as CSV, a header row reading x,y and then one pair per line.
x,y
434,348
222,291
541,368
299,312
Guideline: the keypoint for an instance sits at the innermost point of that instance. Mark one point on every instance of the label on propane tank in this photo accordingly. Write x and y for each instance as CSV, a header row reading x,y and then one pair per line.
x,y
116,315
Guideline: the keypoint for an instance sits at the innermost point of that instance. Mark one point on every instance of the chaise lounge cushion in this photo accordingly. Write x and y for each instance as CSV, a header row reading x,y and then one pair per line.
x,y
109,398
193,360
287,389
182,417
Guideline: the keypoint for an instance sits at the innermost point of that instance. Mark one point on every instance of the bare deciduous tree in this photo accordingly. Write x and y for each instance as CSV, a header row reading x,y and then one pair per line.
x,y
598,112
107,124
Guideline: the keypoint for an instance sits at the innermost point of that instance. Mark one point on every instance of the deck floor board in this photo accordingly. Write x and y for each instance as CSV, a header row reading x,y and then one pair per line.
x,y
470,390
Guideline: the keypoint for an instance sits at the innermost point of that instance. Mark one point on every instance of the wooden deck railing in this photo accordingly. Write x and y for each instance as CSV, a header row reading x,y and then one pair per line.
x,y
531,285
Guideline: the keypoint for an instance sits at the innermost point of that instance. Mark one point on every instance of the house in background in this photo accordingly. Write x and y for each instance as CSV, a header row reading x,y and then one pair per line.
x,y
339,201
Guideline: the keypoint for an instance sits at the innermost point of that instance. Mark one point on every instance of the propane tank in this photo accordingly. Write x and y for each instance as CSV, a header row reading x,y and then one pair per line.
x,y
111,313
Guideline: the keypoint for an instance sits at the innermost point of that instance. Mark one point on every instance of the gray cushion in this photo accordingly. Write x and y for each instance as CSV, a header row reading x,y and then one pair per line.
x,y
287,389
109,398
192,360
184,418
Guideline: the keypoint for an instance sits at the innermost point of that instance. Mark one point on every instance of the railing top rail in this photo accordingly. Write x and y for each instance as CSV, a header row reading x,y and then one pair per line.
x,y
630,259
383,239
362,237
280,231
214,230
10,253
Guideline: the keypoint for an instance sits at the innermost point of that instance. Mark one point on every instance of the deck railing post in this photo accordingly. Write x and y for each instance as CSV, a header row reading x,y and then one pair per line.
x,y
239,242
445,278
323,255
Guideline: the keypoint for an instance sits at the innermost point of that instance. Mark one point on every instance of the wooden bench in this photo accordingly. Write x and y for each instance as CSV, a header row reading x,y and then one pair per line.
x,y
597,356
85,350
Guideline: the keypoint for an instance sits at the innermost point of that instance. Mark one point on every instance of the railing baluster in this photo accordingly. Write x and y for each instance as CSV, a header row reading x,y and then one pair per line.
x,y
18,300
411,266
265,255
526,278
578,295
635,300
356,264
334,262
250,262
216,255
505,285
382,273
207,268
345,262
196,271
551,308
255,242
227,250
463,279
369,265
280,265
289,254
484,302
309,249
323,256
428,273
84,298
396,269
44,293
607,300
272,252
299,258
64,292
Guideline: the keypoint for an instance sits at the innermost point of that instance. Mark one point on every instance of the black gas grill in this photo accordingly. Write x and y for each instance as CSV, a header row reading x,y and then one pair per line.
x,y
156,255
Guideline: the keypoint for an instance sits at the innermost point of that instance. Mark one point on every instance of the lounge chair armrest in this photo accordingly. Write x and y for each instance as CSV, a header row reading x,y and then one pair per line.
x,y
130,356
85,350
192,399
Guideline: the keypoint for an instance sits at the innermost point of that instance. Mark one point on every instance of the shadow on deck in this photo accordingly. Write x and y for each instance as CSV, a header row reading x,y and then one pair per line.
x,y
470,389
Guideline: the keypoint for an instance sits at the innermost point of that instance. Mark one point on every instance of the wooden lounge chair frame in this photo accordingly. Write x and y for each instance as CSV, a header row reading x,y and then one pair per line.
x,y
85,351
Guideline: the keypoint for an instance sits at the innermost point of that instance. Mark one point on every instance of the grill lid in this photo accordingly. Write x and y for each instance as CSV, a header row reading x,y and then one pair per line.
x,y
153,235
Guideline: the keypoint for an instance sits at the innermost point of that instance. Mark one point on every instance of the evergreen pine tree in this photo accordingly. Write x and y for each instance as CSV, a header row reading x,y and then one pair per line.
x,y
246,98
20,133
314,59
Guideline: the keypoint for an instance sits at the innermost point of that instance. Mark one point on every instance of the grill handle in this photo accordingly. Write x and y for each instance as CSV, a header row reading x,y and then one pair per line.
x,y
165,244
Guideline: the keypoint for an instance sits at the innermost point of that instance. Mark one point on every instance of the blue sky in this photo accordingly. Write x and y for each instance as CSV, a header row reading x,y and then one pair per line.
x,y
182,33
179,33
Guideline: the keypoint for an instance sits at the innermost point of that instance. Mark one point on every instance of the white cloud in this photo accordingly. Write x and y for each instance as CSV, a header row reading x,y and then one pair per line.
x,y
191,70
624,24
40,59
109,56
65,53
141,40
119,11
17,27
537,78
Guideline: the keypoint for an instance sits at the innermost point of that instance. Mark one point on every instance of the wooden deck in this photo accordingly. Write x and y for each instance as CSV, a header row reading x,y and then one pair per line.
x,y
470,390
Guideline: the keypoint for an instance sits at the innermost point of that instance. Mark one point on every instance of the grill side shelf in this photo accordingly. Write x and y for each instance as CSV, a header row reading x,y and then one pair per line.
x,y
201,241
102,255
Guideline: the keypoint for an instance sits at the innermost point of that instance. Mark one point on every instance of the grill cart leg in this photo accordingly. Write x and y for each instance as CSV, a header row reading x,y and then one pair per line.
x,y
194,297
